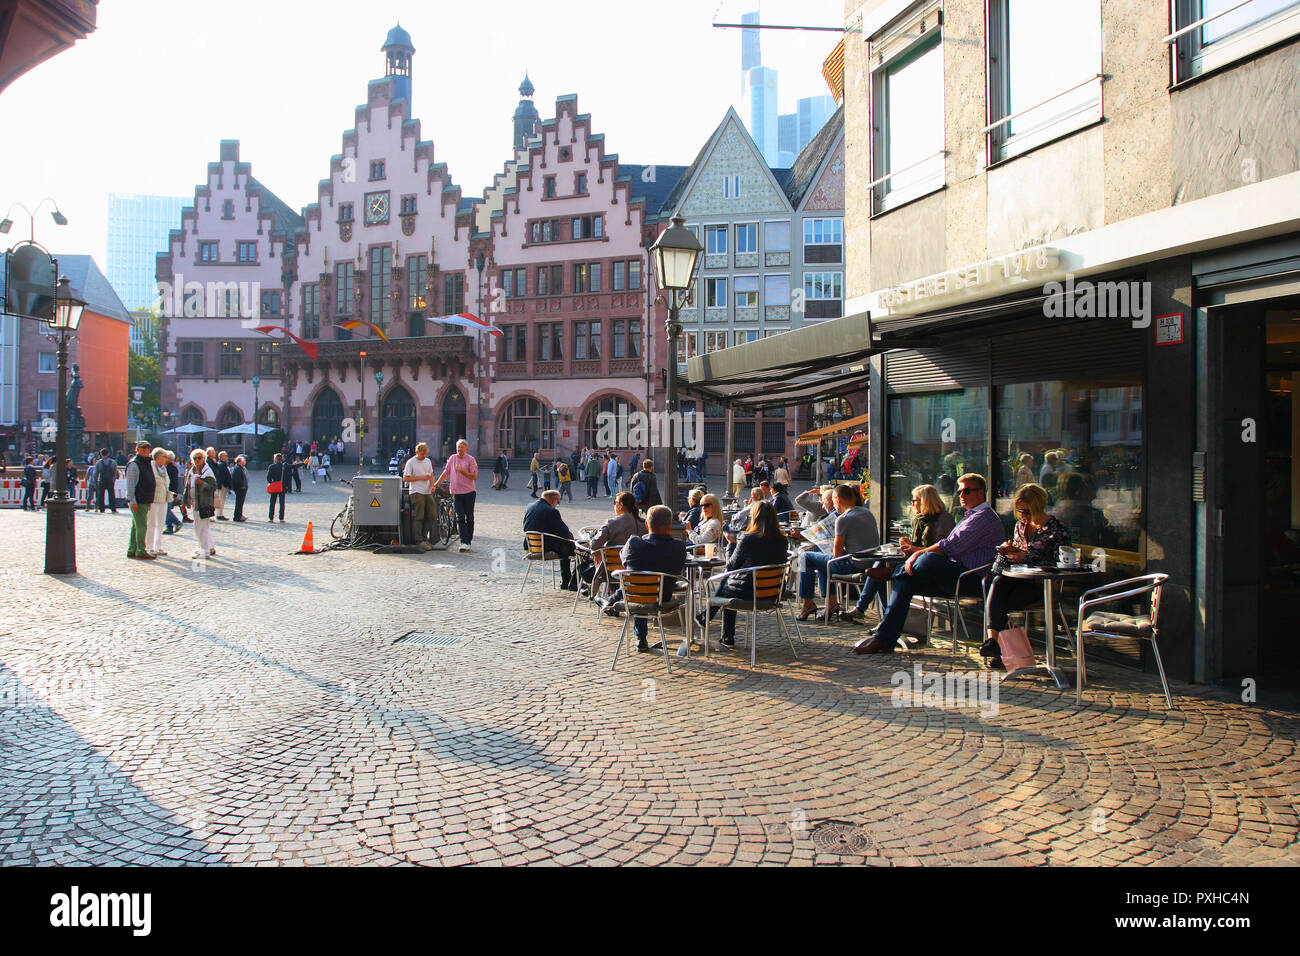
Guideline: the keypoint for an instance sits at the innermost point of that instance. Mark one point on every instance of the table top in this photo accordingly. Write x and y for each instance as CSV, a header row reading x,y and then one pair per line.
x,y
699,561
875,554
1048,571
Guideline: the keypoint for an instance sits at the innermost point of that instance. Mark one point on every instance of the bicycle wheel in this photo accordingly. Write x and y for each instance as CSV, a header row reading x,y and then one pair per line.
x,y
341,527
446,525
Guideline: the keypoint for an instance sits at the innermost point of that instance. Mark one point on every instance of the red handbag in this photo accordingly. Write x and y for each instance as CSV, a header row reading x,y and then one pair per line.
x,y
275,488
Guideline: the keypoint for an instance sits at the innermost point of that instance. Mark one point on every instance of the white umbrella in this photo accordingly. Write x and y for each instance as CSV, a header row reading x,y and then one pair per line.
x,y
245,429
187,430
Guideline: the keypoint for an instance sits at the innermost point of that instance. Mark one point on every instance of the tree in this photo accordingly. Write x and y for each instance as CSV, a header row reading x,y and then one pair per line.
x,y
145,370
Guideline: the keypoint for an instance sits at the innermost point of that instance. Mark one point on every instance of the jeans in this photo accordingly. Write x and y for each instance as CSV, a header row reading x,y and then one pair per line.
x,y
465,515
871,590
104,497
566,490
239,503
29,497
728,615
932,574
172,520
270,511
591,487
817,568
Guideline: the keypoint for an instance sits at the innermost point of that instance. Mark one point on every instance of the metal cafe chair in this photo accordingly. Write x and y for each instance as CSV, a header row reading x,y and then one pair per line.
x,y
611,560
766,598
1117,624
643,597
966,582
536,551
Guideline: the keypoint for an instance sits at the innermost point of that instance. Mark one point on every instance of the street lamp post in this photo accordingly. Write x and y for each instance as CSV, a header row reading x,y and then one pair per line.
x,y
257,380
478,370
361,423
677,254
60,534
379,409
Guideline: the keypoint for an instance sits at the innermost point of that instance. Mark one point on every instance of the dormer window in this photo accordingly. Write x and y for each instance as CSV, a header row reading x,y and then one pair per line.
x,y
227,210
376,169
345,212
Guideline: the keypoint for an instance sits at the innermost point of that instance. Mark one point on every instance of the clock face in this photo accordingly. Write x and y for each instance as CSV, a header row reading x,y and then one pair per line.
x,y
376,207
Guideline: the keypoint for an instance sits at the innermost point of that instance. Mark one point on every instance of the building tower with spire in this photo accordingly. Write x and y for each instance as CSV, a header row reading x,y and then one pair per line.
x,y
526,116
398,52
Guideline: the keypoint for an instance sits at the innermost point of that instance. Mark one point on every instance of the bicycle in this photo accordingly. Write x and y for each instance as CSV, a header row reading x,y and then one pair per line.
x,y
445,526
342,526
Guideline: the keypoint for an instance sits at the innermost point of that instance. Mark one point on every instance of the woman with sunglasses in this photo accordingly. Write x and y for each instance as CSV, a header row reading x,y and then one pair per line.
x,y
1037,538
709,530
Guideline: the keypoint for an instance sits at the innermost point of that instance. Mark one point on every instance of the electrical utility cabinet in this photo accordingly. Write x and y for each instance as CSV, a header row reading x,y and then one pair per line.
x,y
377,501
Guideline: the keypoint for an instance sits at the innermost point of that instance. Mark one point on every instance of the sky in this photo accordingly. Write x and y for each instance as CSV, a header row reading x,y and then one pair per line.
x,y
141,105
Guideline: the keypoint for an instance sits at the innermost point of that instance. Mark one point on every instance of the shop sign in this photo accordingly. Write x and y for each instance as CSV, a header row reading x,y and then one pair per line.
x,y
1169,329
982,277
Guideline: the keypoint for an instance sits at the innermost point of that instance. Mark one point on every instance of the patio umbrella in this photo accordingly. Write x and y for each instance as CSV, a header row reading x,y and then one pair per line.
x,y
187,430
245,429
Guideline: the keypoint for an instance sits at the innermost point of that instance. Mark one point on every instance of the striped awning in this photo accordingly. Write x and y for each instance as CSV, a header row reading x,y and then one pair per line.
x,y
833,71
846,427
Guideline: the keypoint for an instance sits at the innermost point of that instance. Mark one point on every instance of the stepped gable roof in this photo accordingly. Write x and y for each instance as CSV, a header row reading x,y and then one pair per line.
x,y
286,219
802,176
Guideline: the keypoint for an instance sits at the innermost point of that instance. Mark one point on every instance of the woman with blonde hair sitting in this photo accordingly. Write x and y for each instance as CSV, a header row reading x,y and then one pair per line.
x,y
931,523
709,530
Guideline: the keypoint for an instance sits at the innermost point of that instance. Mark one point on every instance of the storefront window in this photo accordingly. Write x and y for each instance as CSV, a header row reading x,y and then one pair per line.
x,y
934,439
1081,441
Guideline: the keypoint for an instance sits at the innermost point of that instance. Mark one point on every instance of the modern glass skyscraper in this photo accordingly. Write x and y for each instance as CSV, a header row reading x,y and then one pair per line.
x,y
137,232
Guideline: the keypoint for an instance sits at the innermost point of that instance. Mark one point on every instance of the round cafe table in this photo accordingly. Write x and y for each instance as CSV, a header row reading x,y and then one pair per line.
x,y
1049,574
697,569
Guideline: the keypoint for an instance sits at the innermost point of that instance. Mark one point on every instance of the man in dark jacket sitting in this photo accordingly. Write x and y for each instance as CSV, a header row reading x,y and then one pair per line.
x,y
544,516
656,551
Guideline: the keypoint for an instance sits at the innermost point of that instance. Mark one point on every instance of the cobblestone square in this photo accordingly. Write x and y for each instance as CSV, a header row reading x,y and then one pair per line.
x,y
254,708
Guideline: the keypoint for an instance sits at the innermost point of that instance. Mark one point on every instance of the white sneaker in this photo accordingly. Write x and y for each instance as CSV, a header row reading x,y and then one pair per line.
x,y
463,547
196,555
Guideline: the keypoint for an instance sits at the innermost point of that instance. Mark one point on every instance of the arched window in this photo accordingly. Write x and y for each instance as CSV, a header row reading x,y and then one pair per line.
x,y
327,416
192,416
269,417
397,422
229,418
526,426
605,425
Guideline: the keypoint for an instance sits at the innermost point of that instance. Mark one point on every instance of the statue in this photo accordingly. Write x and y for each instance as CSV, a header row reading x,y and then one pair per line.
x,y
75,423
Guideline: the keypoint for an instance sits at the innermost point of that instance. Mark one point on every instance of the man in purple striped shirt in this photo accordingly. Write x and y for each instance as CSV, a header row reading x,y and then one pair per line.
x,y
934,570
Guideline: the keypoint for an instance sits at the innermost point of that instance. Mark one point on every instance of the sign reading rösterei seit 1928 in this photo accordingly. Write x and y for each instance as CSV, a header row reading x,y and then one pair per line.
x,y
979,277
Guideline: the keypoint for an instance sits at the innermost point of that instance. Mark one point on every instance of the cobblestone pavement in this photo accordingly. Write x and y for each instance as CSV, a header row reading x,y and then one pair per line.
x,y
255,709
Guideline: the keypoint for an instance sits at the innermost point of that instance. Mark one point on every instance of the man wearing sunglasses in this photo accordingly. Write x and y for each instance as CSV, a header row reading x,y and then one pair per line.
x,y
934,570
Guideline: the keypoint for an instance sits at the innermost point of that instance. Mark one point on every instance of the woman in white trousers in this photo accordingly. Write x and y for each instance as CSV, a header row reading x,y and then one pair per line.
x,y
158,510
200,495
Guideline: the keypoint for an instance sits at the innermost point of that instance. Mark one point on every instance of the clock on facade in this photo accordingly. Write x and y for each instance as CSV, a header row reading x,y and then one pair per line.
x,y
376,208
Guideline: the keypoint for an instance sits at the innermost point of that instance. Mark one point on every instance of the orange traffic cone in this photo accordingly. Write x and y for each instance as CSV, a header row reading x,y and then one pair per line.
x,y
308,545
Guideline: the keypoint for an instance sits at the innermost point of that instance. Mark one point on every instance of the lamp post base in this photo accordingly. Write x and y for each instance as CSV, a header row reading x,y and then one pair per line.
x,y
60,536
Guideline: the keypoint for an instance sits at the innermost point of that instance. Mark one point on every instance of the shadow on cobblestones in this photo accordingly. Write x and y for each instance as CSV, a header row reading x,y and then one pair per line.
x,y
66,804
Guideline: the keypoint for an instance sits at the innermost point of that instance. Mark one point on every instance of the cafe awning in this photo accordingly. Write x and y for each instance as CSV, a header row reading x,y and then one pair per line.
x,y
846,427
815,362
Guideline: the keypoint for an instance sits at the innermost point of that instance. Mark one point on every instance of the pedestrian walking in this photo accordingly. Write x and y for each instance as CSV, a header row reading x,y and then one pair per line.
x,y
140,488
276,479
29,484
564,478
239,485
47,469
325,463
200,496
105,482
593,474
534,473
461,472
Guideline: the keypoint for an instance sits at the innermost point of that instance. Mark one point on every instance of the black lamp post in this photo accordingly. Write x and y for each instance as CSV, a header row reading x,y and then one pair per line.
x,y
257,380
60,534
479,263
379,410
361,423
677,254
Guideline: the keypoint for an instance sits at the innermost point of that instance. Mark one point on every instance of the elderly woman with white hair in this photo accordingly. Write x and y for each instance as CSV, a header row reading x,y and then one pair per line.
x,y
200,496
162,493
